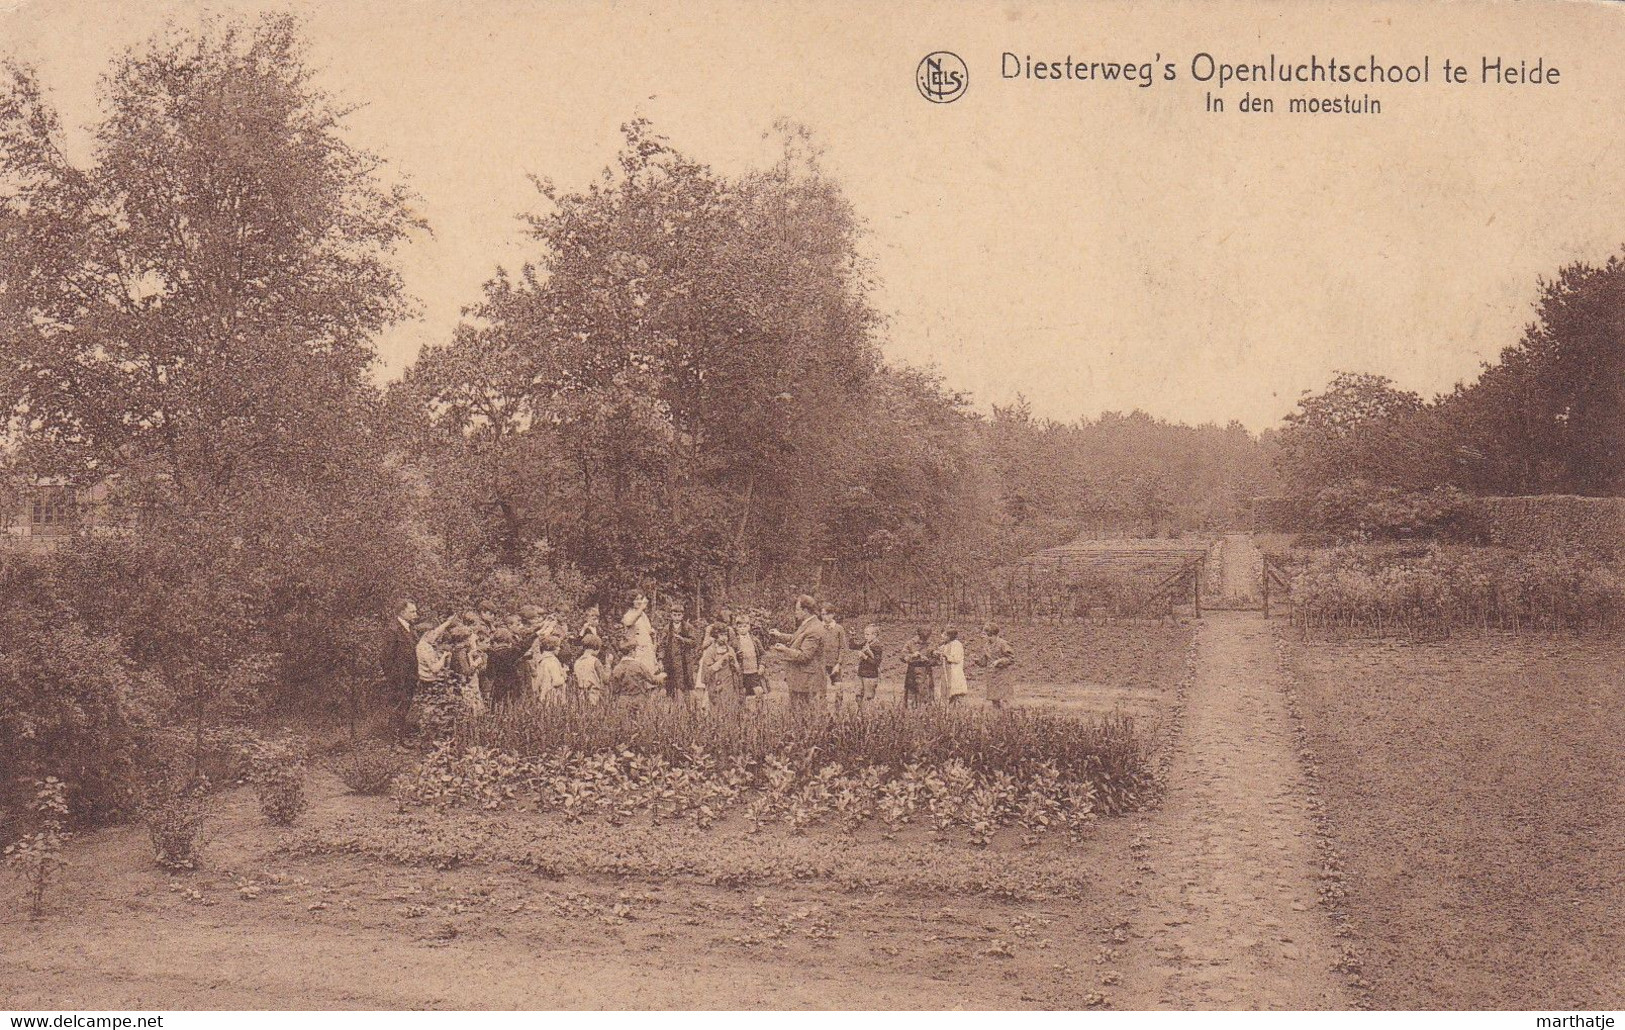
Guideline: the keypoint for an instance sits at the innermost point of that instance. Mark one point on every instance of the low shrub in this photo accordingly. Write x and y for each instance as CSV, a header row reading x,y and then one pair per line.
x,y
173,807
37,857
369,770
279,783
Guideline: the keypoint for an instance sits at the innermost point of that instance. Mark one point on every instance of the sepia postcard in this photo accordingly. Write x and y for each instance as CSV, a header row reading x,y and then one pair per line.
x,y
535,505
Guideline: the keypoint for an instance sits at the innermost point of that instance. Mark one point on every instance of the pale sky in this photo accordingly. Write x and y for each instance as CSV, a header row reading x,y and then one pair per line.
x,y
1093,245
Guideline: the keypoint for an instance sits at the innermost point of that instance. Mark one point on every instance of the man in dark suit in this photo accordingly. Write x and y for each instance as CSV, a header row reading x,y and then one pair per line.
x,y
803,654
400,666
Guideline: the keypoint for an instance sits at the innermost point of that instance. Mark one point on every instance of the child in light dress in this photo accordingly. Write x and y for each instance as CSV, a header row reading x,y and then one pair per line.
x,y
547,678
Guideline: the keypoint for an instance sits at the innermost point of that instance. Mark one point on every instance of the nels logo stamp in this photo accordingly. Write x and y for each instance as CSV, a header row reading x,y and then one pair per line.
x,y
942,77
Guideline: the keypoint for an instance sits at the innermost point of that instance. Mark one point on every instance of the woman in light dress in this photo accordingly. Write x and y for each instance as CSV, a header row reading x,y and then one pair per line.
x,y
998,657
953,659
642,632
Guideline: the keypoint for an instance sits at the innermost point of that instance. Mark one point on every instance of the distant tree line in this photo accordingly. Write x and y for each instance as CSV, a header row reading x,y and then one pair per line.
x,y
1547,417
1126,473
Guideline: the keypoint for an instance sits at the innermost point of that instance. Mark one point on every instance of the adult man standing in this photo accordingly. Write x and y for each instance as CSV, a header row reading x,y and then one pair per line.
x,y
399,660
803,653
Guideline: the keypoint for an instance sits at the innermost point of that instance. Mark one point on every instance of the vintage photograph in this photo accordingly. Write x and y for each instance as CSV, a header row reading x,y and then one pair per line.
x,y
587,505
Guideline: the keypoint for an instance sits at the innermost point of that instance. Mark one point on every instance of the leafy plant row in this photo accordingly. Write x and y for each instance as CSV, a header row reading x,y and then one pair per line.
x,y
670,850
620,785
1016,741
1386,592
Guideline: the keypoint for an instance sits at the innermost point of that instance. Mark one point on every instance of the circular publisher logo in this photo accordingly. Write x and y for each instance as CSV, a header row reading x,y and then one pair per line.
x,y
942,77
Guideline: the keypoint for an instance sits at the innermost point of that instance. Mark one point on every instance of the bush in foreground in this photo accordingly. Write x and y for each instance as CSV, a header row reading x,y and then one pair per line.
x,y
173,808
369,770
280,786
37,857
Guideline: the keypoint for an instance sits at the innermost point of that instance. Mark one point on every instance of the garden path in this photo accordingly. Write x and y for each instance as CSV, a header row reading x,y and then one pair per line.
x,y
1226,915
1241,572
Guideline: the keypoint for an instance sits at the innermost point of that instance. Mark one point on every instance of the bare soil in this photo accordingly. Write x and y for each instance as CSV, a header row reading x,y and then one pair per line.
x,y
258,929
1225,913
1475,787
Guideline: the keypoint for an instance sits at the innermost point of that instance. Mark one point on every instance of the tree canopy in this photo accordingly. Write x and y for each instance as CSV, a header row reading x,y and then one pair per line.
x,y
204,294
685,381
1547,417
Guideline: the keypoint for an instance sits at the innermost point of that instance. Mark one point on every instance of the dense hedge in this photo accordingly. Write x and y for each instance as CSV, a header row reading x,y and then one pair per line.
x,y
1550,522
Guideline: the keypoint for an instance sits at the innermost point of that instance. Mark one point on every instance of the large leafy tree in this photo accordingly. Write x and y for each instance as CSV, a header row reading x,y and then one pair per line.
x,y
1549,416
191,312
658,394
203,294
1362,427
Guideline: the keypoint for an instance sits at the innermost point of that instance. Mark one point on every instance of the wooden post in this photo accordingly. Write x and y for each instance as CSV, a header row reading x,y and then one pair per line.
x,y
1266,586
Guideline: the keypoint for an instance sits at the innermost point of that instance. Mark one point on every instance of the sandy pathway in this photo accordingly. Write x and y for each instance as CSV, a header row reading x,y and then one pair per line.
x,y
1242,570
1226,915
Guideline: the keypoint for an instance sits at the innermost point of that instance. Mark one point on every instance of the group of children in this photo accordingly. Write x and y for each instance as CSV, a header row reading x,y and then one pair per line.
x,y
726,663
923,657
479,658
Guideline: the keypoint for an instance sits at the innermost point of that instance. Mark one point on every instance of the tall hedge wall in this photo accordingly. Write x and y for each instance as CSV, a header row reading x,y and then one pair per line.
x,y
1550,522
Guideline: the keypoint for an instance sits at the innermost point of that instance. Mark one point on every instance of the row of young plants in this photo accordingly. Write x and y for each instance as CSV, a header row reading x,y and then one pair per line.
x,y
1106,751
619,787
972,772
1437,590
671,850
